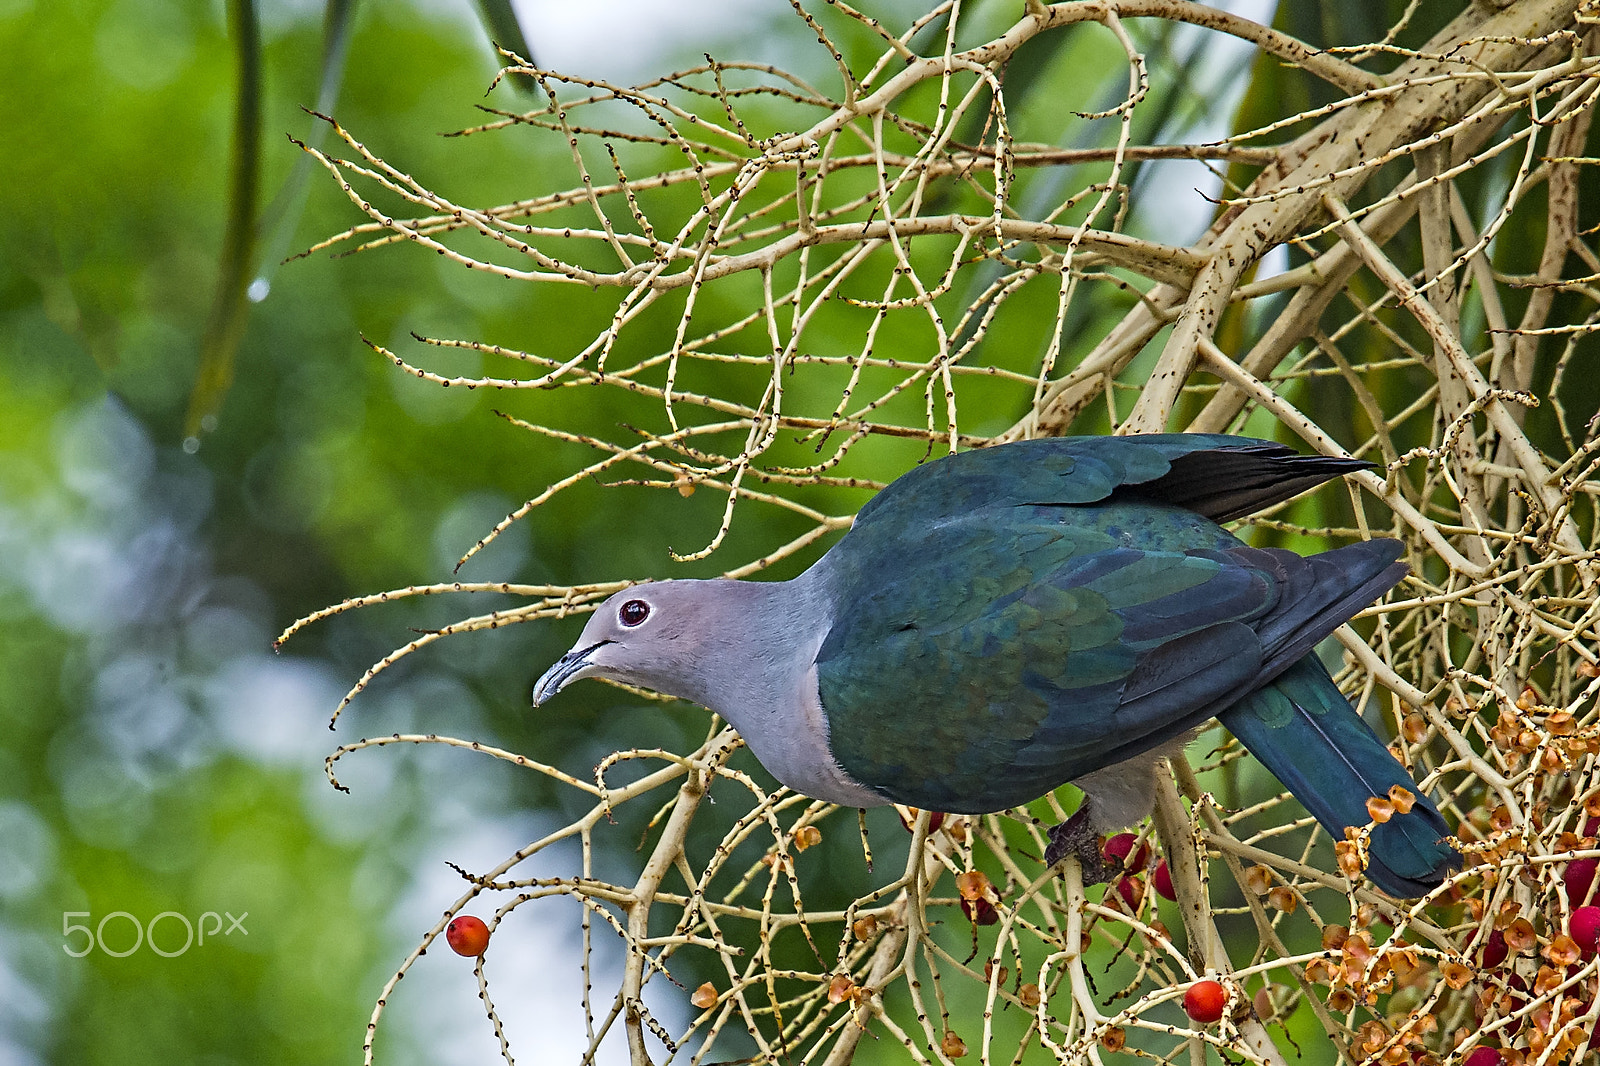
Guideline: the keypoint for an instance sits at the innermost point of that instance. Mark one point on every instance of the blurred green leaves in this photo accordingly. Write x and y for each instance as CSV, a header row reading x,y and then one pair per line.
x,y
155,757
257,239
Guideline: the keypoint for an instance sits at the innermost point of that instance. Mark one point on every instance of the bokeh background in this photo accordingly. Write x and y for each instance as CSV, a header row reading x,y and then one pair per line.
x,y
156,757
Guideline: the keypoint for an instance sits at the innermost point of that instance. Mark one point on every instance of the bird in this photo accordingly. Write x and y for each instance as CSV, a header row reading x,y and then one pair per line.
x,y
1000,621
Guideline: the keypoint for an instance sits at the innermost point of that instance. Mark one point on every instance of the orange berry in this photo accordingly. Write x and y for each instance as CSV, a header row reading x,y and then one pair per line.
x,y
1341,999
1562,950
467,935
1520,935
975,884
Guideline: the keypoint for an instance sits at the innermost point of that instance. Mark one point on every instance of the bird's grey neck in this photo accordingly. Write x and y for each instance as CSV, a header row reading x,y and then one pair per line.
x,y
769,638
764,682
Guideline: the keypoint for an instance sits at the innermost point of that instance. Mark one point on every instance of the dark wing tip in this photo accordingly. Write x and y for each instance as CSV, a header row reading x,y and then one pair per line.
x,y
1224,483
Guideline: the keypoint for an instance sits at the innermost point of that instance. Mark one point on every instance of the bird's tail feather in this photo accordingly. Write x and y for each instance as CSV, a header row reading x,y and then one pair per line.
x,y
1303,730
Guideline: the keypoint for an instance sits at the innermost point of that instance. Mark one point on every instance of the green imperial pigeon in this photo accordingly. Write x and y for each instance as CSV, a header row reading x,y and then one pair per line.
x,y
1001,621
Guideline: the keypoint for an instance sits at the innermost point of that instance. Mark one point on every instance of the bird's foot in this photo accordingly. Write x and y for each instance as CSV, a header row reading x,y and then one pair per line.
x,y
1077,837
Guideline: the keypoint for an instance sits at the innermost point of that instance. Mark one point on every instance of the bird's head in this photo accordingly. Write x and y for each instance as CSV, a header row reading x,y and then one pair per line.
x,y
650,635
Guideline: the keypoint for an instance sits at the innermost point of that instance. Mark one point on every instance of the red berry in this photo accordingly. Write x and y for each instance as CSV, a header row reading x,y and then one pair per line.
x,y
1162,879
1120,847
467,935
1495,950
1579,875
980,911
1131,889
1205,1000
1584,927
908,818
1483,1055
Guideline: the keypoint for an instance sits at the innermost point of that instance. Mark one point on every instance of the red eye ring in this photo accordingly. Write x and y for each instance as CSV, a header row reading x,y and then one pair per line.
x,y
633,613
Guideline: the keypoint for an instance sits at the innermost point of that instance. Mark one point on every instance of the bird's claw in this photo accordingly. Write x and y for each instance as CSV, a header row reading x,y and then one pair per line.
x,y
1077,838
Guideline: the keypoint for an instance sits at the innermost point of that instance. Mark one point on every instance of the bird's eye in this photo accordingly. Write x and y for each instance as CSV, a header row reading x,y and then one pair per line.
x,y
633,612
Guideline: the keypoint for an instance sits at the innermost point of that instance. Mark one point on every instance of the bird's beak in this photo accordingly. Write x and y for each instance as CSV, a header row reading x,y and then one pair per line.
x,y
570,667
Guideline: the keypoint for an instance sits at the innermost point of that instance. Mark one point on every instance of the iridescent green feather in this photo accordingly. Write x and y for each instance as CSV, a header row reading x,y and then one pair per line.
x,y
1007,620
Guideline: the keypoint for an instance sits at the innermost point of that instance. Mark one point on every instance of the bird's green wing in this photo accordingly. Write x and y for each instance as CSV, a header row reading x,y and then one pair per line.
x,y
1000,654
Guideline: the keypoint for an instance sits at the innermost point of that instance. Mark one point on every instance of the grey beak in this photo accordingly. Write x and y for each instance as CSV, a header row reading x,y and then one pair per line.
x,y
565,669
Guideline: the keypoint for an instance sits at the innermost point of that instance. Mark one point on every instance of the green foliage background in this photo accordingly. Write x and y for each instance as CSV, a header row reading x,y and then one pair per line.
x,y
154,755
